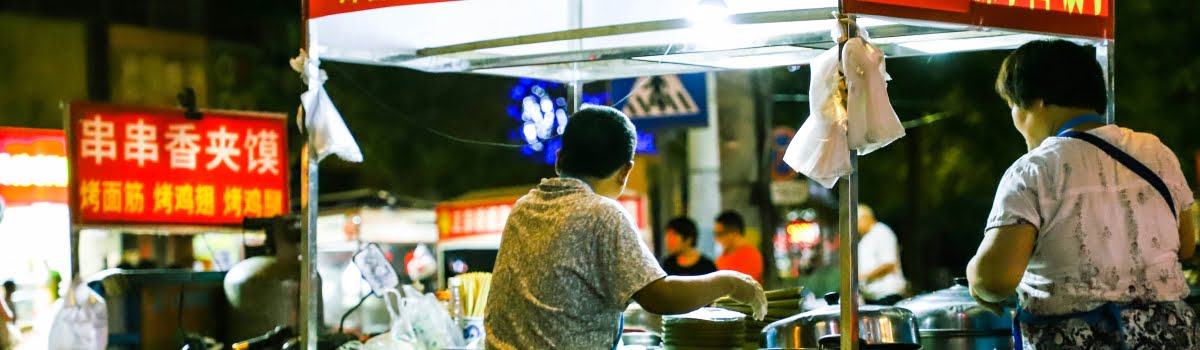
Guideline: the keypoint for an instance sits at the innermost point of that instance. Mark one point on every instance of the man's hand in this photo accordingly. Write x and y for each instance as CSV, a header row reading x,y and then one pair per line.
x,y
744,289
993,307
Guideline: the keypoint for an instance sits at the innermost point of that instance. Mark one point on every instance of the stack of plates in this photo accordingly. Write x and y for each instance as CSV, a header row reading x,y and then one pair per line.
x,y
704,329
781,304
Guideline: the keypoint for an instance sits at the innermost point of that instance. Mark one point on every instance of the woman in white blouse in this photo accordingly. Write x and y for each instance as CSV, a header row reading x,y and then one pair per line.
x,y
1088,228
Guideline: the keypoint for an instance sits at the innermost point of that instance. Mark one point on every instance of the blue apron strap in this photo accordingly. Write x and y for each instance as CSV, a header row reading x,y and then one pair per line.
x,y
620,330
1129,162
1018,344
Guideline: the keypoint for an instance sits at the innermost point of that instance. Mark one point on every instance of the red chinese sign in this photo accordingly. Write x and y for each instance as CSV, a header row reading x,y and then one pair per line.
x,y
33,166
320,8
1079,7
1086,18
153,166
466,219
942,5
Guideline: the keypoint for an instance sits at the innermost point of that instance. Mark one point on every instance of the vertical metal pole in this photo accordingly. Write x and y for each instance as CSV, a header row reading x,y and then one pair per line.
x,y
309,290
1105,55
848,226
848,222
310,164
72,195
576,95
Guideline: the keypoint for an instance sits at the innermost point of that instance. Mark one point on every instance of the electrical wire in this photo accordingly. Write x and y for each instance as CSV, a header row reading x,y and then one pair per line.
x,y
378,101
342,324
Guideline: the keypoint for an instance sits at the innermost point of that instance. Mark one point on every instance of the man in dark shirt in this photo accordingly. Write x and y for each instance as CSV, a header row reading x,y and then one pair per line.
x,y
684,259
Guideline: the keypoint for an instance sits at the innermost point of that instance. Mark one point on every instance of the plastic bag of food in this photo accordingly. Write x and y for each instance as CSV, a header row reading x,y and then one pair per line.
x,y
80,320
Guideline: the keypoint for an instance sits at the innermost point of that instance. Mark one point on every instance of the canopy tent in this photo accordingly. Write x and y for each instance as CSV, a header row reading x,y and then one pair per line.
x,y
576,41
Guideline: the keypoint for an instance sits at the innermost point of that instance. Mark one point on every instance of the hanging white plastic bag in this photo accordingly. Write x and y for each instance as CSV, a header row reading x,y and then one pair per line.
x,y
80,320
871,121
423,264
820,150
319,116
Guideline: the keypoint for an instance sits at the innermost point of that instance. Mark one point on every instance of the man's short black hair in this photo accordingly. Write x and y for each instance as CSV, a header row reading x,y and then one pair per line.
x,y
1058,72
598,140
732,221
686,228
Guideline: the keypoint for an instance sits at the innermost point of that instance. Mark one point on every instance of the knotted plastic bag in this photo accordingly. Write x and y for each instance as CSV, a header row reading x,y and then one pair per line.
x,y
871,121
820,150
80,320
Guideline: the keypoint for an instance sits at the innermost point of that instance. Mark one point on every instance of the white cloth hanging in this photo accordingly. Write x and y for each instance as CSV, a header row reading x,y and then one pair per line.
x,y
819,149
865,123
871,121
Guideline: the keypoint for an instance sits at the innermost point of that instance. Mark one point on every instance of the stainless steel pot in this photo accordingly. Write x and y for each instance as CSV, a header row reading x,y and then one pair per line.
x,y
951,319
880,327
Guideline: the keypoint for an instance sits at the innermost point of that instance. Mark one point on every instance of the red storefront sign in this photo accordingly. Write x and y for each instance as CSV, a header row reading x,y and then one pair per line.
x,y
319,8
136,165
33,166
1086,18
466,219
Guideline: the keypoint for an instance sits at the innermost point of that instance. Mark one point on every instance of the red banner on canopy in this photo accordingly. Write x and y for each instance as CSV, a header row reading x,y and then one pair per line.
x,y
1086,18
137,165
473,218
319,8
33,166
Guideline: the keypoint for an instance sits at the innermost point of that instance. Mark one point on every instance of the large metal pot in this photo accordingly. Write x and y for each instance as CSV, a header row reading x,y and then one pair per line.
x,y
951,319
880,327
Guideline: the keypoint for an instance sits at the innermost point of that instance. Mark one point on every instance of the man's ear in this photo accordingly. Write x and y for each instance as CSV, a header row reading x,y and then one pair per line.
x,y
557,161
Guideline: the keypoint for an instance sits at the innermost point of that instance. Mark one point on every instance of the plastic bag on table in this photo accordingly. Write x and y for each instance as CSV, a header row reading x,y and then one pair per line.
x,y
871,121
401,335
431,322
80,320
820,150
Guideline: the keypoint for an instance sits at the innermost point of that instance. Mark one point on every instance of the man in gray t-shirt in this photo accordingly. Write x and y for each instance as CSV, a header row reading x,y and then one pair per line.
x,y
571,258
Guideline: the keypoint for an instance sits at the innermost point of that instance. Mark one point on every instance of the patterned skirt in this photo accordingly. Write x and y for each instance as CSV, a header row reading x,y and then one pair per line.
x,y
1164,325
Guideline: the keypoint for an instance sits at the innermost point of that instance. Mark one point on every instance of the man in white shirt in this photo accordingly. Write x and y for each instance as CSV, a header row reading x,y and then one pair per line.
x,y
880,279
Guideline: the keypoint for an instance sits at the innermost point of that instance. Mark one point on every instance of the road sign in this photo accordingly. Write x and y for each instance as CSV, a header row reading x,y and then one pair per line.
x,y
664,100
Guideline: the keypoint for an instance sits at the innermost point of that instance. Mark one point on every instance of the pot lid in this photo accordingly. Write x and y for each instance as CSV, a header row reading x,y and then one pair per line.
x,y
954,309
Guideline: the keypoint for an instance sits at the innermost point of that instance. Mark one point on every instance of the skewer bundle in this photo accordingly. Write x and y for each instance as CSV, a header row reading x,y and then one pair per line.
x,y
474,292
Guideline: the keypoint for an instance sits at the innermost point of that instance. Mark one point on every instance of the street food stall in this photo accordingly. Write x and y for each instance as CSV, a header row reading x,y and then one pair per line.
x,y
580,41
173,173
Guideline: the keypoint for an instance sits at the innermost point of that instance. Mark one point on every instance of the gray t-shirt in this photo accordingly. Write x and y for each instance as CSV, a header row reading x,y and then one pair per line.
x,y
569,262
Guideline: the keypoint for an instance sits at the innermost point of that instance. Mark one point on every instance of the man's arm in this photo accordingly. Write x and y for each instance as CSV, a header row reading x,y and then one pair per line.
x,y
682,294
1187,234
879,272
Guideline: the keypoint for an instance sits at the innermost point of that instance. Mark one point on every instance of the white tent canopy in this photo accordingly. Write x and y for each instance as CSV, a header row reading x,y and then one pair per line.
x,y
585,40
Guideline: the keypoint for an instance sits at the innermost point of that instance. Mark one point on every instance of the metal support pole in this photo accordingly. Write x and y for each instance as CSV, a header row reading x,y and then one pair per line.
x,y
309,290
848,222
848,259
1105,55
576,95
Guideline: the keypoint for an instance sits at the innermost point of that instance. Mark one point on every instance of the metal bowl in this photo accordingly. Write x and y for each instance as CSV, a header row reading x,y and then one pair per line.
x,y
880,327
951,319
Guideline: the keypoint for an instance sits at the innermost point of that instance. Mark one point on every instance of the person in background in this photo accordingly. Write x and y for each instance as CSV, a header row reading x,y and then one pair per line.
x,y
880,278
736,253
571,258
10,288
1089,227
683,258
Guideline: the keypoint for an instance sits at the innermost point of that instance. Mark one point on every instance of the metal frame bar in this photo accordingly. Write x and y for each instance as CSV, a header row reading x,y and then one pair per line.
x,y
628,28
